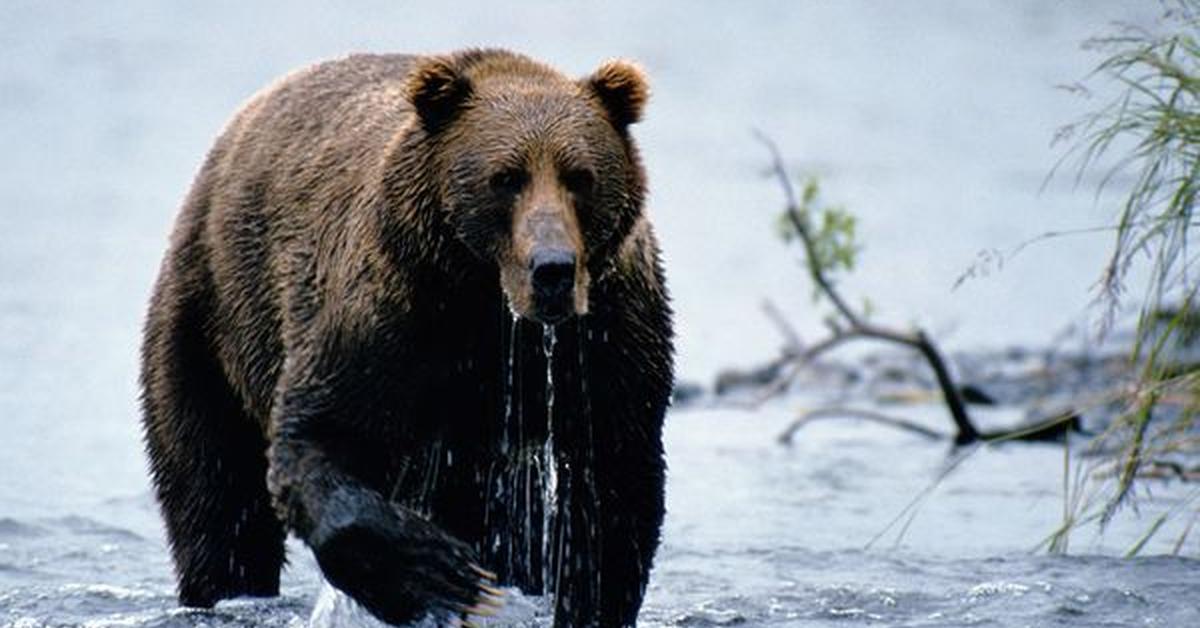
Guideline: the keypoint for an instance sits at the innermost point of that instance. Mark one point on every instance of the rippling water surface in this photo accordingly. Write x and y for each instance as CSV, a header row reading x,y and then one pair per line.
x,y
757,534
931,120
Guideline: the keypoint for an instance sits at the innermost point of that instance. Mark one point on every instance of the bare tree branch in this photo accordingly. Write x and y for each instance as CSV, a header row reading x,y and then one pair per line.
x,y
855,325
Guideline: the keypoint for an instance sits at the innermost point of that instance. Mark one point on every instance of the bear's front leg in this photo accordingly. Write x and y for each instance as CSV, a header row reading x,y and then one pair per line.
x,y
629,374
606,532
631,489
391,560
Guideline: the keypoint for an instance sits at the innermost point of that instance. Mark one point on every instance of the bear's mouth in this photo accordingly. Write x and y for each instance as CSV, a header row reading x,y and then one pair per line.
x,y
552,313
552,280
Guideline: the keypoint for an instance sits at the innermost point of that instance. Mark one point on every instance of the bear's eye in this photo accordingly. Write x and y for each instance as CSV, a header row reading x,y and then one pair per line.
x,y
509,182
579,181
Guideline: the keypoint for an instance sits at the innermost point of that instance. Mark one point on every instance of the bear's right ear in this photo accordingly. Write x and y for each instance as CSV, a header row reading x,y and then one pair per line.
x,y
622,89
436,90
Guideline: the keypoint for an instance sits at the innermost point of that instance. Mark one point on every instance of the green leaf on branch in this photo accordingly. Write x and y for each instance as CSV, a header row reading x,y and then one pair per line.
x,y
830,230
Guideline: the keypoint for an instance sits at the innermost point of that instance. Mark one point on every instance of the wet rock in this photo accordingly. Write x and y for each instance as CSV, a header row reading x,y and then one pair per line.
x,y
686,392
10,528
894,374
733,379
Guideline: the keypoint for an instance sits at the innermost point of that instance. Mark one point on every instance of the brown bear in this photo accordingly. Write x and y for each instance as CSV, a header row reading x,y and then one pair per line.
x,y
413,312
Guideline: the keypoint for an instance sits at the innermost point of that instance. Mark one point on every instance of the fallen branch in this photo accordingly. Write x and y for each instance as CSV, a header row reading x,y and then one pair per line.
x,y
1053,429
855,325
848,324
786,437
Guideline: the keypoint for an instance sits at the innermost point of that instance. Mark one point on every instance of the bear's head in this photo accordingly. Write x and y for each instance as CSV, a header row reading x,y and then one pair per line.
x,y
537,173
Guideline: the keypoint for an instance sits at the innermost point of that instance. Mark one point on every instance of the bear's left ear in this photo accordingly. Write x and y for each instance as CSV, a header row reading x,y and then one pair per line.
x,y
436,90
622,89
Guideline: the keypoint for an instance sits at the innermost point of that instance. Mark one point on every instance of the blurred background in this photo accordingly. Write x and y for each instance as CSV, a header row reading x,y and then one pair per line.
x,y
931,121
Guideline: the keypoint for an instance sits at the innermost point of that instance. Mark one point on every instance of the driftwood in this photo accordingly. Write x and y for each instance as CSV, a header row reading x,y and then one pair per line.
x,y
1051,430
847,324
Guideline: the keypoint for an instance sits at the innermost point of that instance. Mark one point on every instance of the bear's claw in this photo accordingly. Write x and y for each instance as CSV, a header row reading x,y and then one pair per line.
x,y
397,564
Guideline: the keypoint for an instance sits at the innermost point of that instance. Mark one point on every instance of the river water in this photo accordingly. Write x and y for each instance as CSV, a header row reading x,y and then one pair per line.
x,y
931,121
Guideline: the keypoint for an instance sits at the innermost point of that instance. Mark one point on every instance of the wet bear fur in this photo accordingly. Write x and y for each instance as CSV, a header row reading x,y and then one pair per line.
x,y
343,343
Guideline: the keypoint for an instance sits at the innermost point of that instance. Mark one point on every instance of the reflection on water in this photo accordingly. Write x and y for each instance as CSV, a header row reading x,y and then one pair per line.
x,y
932,124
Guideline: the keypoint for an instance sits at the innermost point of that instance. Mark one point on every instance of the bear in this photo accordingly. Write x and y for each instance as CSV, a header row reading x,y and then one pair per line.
x,y
413,312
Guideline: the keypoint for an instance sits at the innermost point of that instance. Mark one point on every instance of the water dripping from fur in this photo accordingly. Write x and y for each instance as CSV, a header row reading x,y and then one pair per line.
x,y
549,466
528,517
505,445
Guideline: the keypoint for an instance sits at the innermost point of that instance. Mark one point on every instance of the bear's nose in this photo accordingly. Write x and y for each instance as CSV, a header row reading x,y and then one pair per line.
x,y
553,278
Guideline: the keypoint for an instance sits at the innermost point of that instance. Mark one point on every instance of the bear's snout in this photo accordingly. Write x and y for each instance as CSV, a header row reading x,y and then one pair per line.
x,y
544,270
552,273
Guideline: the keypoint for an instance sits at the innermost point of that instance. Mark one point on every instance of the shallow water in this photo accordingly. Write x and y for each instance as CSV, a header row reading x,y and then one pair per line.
x,y
757,534
932,124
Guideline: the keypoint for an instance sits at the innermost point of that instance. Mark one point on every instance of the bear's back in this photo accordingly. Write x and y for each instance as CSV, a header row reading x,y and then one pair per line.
x,y
294,162
319,122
